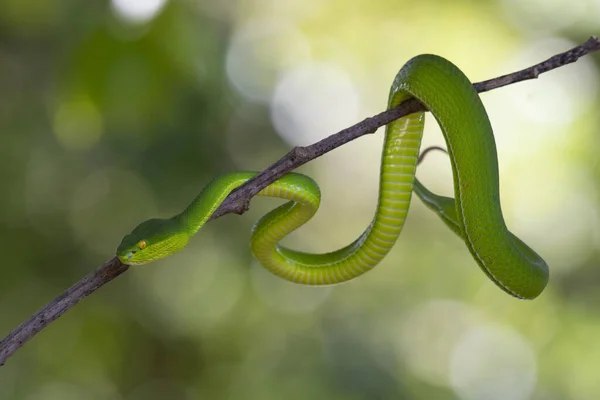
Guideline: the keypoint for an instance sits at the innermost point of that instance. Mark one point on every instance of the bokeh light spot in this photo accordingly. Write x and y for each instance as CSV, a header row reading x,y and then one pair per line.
x,y
137,11
259,51
428,336
312,101
558,218
544,16
77,123
493,363
554,101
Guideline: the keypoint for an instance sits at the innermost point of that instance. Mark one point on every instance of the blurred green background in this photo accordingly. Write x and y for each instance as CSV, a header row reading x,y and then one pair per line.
x,y
115,112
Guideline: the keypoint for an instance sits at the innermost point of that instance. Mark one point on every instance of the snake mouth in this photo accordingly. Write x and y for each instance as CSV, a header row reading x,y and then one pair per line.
x,y
126,258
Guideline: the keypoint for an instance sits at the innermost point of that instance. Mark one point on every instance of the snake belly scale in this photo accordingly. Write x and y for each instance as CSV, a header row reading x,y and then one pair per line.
x,y
474,214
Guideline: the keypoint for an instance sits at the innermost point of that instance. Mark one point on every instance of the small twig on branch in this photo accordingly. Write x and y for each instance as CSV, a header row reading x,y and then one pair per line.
x,y
237,202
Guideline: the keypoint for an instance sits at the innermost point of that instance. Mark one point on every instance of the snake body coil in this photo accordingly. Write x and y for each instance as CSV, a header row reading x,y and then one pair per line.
x,y
475,213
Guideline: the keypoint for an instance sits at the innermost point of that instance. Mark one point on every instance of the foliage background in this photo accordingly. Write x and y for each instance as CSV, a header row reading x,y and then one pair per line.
x,y
114,112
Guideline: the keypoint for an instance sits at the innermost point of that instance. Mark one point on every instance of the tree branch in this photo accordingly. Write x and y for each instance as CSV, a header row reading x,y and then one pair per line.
x,y
238,201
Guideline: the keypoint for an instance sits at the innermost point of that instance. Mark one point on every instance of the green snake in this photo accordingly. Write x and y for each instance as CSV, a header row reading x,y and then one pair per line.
x,y
474,214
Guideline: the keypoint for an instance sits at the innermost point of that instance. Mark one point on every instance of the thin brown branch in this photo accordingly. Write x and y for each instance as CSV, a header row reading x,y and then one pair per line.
x,y
51,311
238,201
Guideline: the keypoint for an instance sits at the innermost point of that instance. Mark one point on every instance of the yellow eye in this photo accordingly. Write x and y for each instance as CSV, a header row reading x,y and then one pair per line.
x,y
142,244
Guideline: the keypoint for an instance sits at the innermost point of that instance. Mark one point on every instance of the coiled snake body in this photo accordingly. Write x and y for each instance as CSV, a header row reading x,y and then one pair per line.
x,y
474,214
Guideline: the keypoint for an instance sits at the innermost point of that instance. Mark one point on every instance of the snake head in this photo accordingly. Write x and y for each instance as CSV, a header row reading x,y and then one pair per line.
x,y
152,240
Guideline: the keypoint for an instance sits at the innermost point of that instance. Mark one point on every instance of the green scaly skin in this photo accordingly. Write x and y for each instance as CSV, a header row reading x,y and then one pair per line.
x,y
475,215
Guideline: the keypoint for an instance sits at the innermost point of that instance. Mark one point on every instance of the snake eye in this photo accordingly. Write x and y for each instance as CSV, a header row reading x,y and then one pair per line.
x,y
142,244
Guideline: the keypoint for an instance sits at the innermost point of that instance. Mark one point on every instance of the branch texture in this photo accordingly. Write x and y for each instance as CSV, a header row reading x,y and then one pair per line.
x,y
238,201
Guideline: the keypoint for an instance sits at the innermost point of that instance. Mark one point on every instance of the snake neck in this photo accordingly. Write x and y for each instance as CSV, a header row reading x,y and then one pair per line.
x,y
210,198
193,217
187,223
